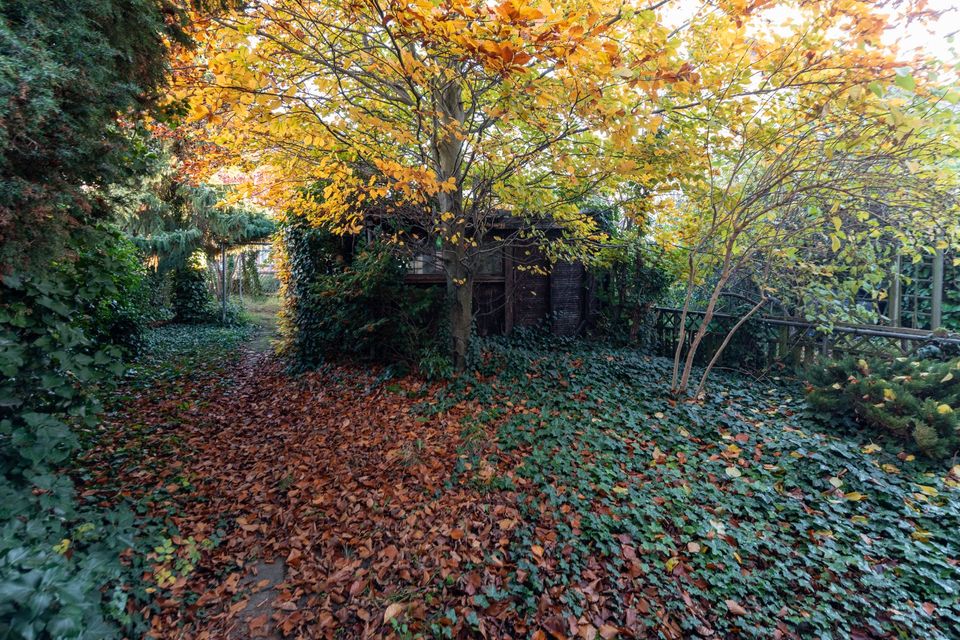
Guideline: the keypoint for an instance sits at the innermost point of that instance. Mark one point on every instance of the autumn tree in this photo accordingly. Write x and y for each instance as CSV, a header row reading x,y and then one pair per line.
x,y
170,219
442,118
819,156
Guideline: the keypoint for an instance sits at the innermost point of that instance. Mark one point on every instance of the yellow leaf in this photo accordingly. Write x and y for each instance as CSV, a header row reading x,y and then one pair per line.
x,y
944,409
871,448
733,472
930,491
854,496
947,378
889,395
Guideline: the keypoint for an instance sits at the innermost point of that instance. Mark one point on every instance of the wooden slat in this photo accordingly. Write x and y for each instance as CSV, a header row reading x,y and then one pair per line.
x,y
531,289
936,302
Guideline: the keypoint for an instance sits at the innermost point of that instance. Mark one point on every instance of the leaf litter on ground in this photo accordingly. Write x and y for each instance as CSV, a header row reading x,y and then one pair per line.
x,y
555,493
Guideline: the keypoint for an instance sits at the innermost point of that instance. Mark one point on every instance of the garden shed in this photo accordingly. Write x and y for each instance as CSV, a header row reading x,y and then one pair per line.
x,y
518,287
515,285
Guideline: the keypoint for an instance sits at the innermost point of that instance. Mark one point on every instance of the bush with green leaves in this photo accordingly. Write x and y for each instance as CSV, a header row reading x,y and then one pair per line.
x,y
632,280
73,78
914,401
121,317
347,298
66,70
64,331
191,298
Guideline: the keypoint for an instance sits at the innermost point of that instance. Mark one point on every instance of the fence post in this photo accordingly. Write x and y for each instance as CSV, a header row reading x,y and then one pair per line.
x,y
223,282
936,303
896,293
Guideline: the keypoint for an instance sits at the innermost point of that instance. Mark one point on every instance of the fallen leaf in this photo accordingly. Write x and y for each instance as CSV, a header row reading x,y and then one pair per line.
x,y
392,612
734,607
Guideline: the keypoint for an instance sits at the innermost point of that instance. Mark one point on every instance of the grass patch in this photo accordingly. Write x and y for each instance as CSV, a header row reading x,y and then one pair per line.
x,y
181,350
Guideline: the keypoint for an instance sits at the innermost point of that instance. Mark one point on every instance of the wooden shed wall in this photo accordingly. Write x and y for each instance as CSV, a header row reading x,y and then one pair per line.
x,y
531,287
528,293
488,305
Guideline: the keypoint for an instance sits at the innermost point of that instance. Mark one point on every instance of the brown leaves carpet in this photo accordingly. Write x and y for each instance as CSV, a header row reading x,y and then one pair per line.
x,y
332,484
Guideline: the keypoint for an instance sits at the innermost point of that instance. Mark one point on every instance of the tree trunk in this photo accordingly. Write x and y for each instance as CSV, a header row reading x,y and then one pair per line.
x,y
702,331
448,147
223,282
726,341
460,309
682,329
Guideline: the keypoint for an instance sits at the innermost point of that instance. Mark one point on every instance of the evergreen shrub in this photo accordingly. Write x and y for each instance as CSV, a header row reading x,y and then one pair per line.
x,y
912,400
64,332
191,298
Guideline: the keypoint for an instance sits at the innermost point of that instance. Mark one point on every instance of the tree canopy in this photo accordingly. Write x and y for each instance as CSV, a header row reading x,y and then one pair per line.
x,y
169,218
67,71
447,116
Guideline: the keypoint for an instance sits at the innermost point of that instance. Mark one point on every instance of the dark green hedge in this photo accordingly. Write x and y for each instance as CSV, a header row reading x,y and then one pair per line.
x,y
345,297
64,333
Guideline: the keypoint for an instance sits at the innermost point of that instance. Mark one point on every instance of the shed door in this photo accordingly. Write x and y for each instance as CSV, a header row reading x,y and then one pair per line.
x,y
531,290
566,297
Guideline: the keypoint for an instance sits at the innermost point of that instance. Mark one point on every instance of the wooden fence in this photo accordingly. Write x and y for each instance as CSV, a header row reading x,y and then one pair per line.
x,y
765,340
924,294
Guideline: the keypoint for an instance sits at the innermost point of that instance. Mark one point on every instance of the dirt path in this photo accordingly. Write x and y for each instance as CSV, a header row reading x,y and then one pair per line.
x,y
263,315
326,499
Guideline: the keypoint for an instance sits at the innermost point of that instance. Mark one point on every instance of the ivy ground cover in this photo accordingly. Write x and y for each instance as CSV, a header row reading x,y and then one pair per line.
x,y
553,494
736,517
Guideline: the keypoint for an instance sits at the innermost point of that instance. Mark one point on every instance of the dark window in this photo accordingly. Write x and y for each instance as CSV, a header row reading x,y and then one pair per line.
x,y
491,260
427,262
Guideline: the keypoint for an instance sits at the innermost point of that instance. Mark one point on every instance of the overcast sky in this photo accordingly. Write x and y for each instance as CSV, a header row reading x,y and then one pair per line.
x,y
933,38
